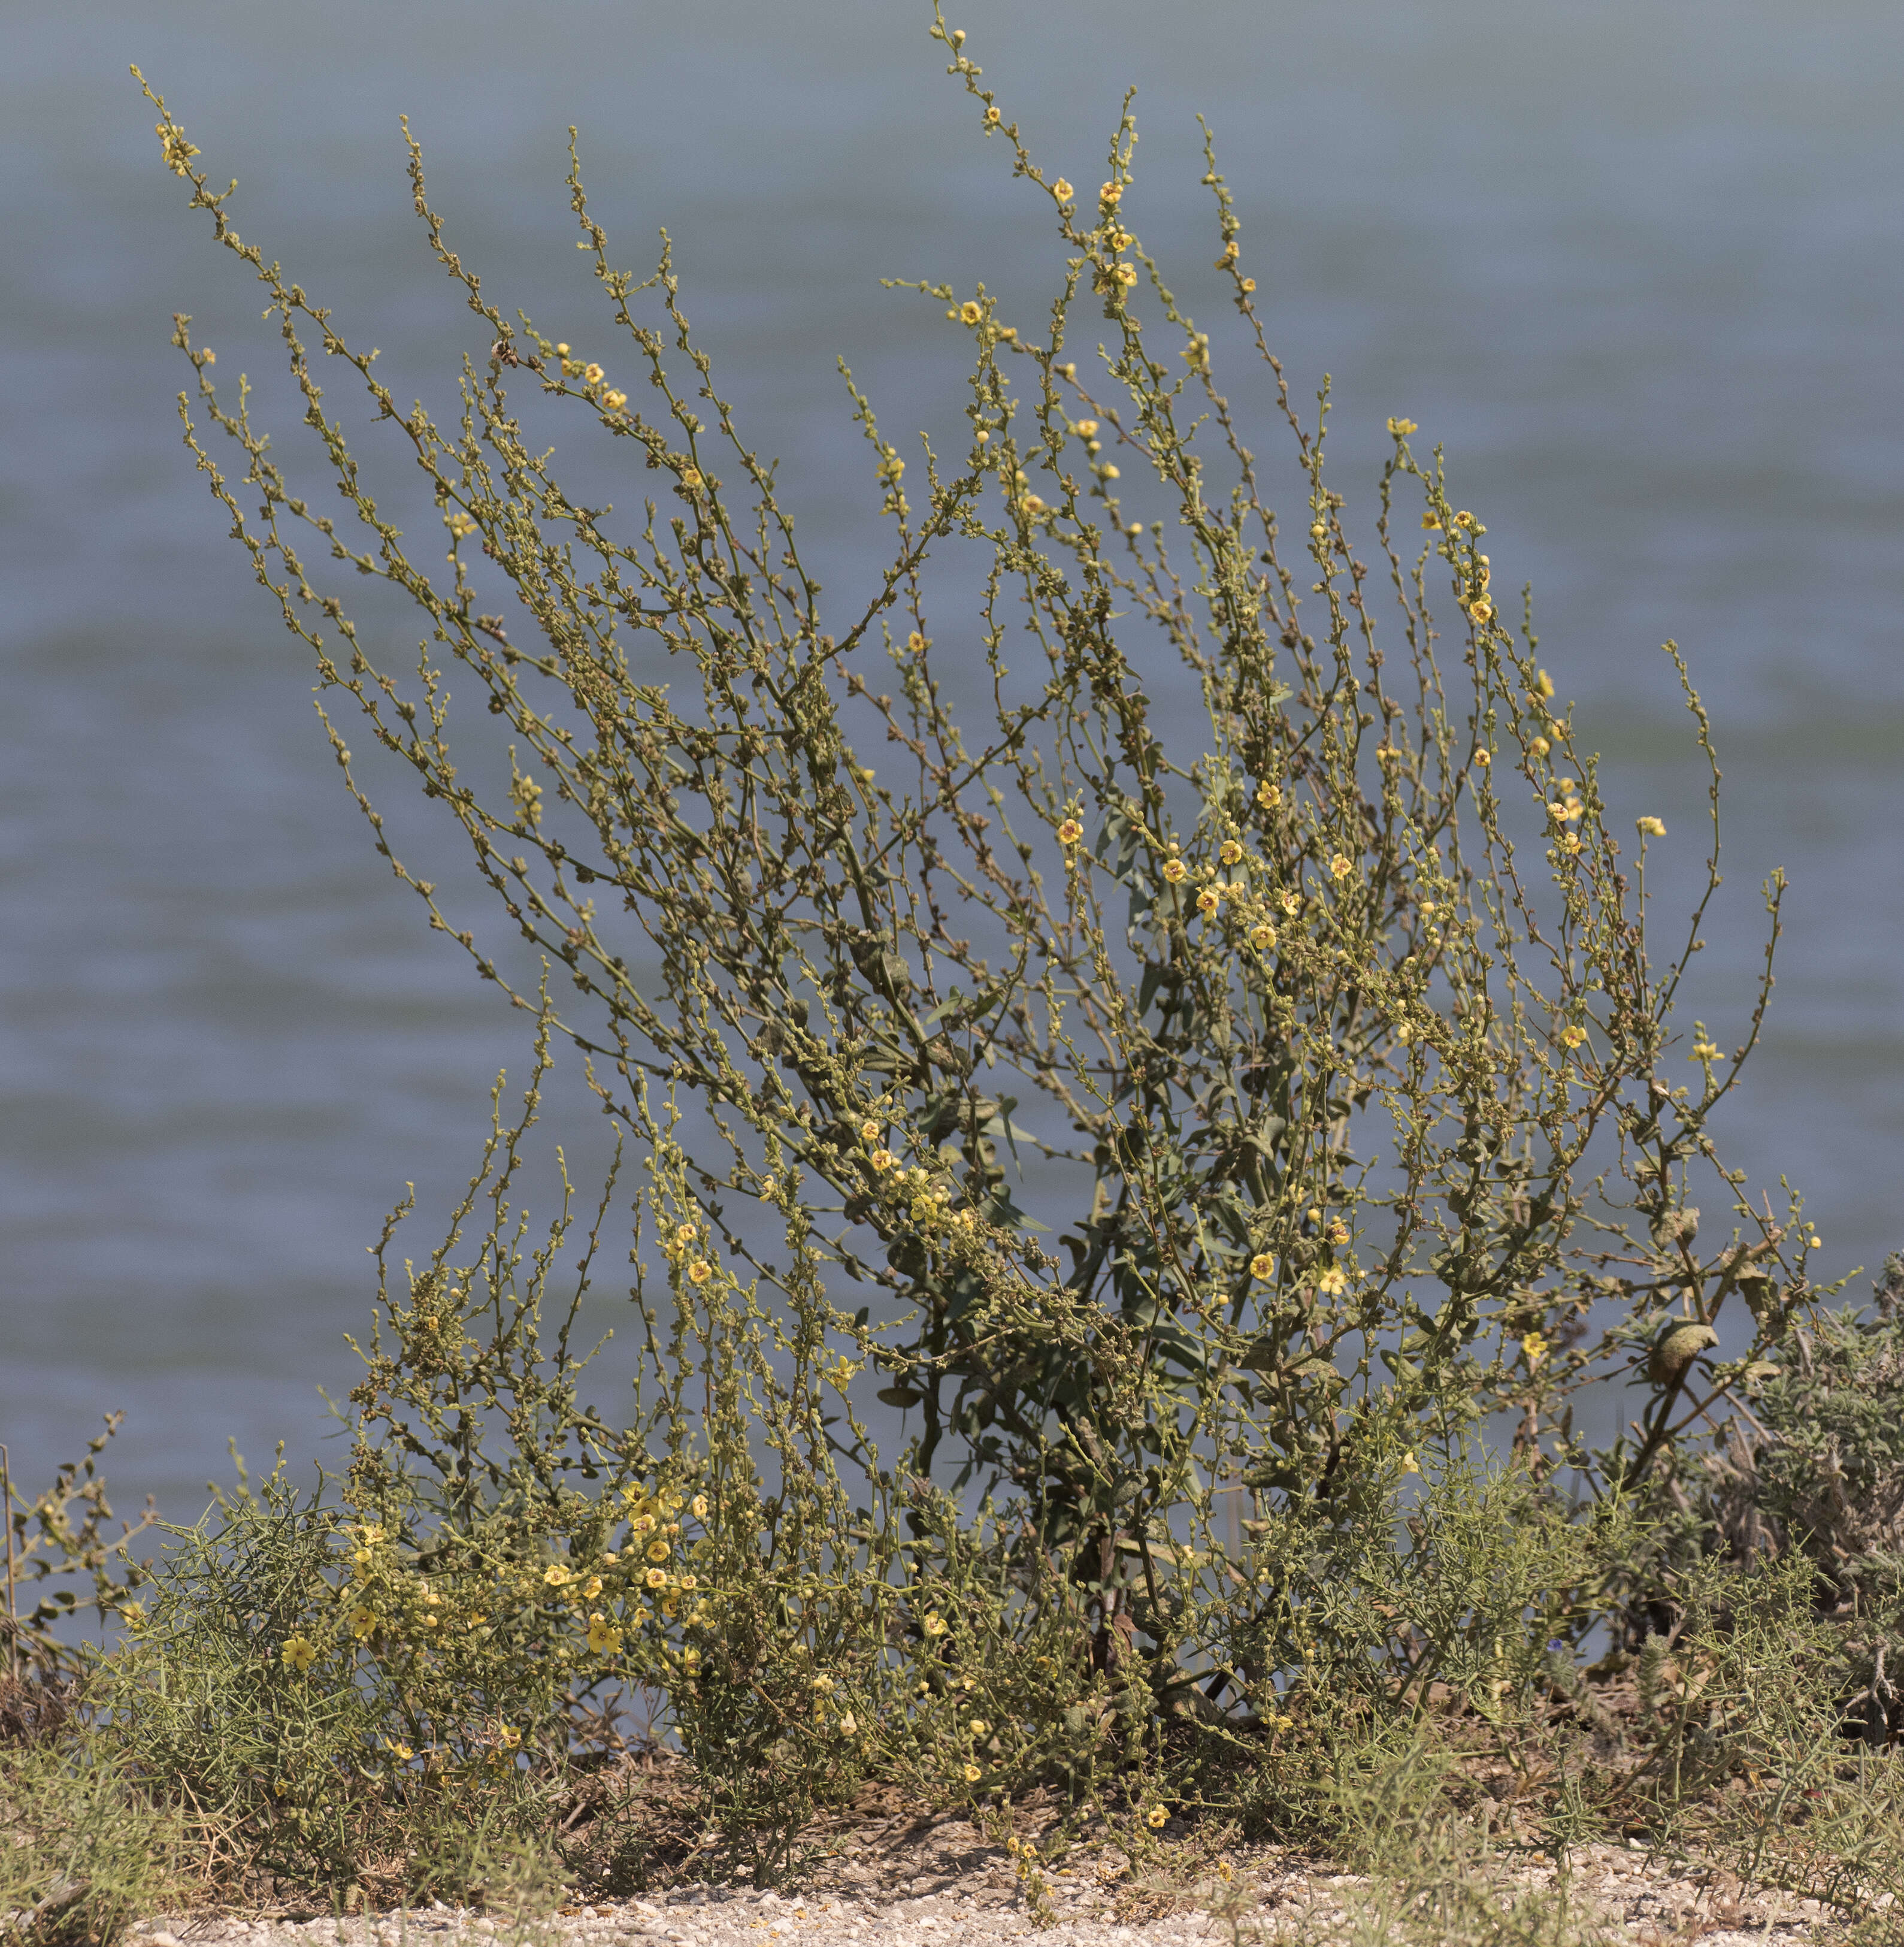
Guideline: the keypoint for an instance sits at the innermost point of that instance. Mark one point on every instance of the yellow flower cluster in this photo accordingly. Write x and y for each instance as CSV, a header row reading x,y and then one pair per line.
x,y
177,151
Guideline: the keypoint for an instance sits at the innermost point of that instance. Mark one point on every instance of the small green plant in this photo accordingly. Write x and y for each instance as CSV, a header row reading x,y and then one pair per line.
x,y
61,1545
82,1855
1814,1471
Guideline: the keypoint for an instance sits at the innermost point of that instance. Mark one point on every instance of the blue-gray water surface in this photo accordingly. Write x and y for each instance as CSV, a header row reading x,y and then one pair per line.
x,y
1639,265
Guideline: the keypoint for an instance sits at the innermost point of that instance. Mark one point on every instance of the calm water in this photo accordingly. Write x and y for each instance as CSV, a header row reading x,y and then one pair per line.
x,y
1642,268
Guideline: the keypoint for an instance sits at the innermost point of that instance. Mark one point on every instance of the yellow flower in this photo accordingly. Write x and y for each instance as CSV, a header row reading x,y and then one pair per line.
x,y
1209,899
1126,274
592,373
1481,612
698,1507
882,1160
1410,1465
177,151
1070,832
979,1728
1341,866
686,1233
973,1774
657,1551
1249,283
299,1653
1268,795
591,1588
991,117
278,1786
970,313
699,1271
1332,1283
508,1736
604,1639
1401,428
1262,936
1655,827
1540,746
935,1624
849,1724
556,1575
869,1131
1086,428
364,1622
1572,1036
1292,903
1062,190
1569,842
1704,1051
1156,1816
1534,1346
1430,520
1174,869
691,478
657,1578
1230,852
1263,1265
1338,1232
614,401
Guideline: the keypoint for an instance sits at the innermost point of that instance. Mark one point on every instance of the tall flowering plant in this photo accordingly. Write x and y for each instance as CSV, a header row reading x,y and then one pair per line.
x,y
1183,1129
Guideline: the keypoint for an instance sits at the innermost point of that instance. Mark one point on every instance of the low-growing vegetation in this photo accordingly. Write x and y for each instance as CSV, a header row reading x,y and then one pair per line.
x,y
1118,1219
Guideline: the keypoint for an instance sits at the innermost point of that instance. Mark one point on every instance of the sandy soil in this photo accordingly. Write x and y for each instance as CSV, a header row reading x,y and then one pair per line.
x,y
941,1880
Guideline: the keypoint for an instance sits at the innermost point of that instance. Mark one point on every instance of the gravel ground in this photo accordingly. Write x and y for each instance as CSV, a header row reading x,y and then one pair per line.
x,y
948,1885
